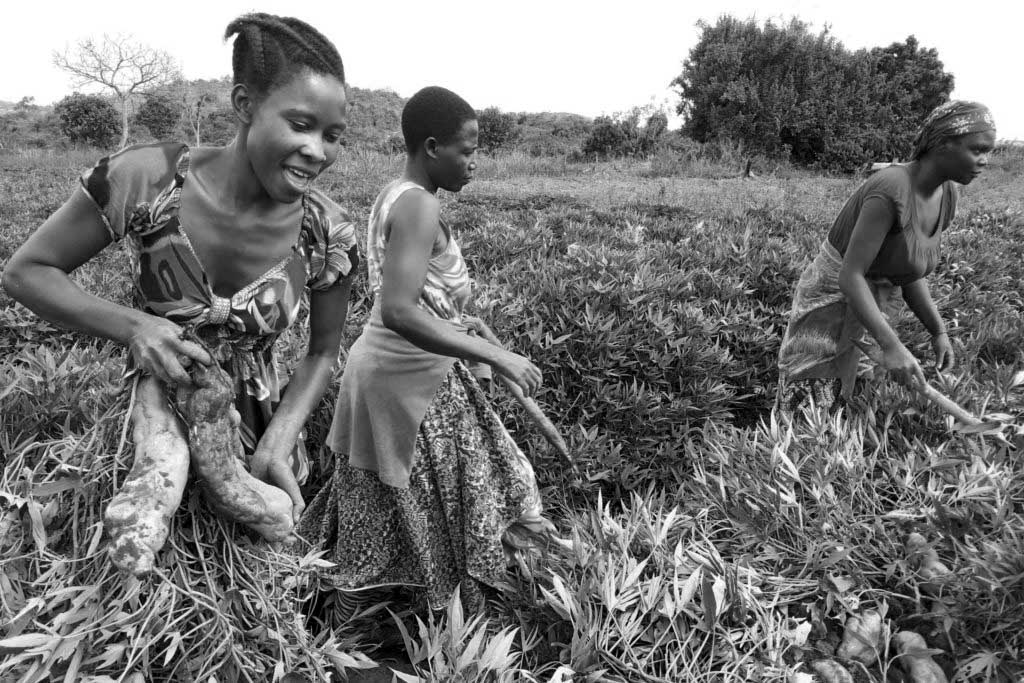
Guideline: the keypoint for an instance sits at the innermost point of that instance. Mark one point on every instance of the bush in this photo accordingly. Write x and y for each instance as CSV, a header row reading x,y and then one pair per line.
x,y
159,115
88,119
497,129
785,92
622,135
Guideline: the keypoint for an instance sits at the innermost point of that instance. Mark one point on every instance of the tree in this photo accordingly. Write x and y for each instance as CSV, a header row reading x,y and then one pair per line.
x,y
784,92
159,114
913,82
497,129
205,107
87,118
622,134
121,64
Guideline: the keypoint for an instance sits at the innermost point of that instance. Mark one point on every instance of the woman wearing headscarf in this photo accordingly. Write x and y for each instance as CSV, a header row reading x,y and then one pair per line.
x,y
884,241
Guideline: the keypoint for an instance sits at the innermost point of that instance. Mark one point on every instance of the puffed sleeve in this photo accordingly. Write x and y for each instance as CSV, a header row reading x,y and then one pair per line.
x,y
331,240
122,182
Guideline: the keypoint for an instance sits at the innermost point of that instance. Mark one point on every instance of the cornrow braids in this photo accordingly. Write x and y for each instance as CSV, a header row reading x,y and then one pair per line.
x,y
269,50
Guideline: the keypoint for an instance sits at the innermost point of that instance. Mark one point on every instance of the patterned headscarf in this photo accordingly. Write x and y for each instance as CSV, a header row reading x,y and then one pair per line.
x,y
950,120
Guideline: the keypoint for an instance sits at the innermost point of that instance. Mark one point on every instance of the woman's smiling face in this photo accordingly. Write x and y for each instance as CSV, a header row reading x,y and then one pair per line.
x,y
294,133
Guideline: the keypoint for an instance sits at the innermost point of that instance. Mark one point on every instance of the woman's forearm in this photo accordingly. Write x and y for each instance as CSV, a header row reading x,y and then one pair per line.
x,y
305,389
919,300
438,336
52,295
859,297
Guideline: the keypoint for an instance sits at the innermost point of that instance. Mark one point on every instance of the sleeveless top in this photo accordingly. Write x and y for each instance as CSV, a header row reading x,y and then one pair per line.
x,y
389,382
138,194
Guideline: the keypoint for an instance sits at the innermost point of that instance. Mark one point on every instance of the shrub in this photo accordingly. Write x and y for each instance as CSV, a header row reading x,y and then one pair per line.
x,y
497,128
159,115
88,118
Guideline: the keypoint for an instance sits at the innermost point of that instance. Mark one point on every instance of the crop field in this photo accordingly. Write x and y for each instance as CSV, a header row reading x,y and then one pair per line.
x,y
713,540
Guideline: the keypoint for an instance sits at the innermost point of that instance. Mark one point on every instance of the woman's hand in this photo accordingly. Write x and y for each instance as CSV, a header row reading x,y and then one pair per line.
x,y
518,369
902,364
159,350
944,357
275,468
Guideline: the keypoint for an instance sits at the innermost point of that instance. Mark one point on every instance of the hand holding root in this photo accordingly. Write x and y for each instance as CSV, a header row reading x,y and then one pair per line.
x,y
534,411
932,394
159,349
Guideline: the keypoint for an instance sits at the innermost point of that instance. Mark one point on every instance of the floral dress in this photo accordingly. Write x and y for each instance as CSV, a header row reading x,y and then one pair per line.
x,y
138,193
443,514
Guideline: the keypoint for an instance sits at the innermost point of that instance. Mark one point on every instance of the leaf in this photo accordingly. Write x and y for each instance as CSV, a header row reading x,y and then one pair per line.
x,y
980,428
344,660
26,641
408,678
58,485
843,584
38,530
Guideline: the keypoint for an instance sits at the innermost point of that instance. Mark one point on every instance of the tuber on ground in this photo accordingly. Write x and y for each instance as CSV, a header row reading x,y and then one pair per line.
x,y
137,518
923,558
831,672
860,638
217,457
917,660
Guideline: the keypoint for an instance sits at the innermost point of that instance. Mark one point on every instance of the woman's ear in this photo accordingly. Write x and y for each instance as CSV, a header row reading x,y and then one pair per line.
x,y
242,102
430,146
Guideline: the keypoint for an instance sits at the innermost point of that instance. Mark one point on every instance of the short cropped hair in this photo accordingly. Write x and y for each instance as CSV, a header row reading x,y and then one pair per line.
x,y
434,112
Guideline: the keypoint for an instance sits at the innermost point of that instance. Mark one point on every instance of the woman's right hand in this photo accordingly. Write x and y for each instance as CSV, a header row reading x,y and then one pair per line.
x,y
902,364
159,350
520,370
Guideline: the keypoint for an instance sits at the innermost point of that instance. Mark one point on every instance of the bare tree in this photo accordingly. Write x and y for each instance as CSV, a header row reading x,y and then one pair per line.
x,y
199,100
126,67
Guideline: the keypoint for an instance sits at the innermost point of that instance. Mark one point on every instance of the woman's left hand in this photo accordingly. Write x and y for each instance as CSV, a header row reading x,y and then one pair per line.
x,y
944,357
275,469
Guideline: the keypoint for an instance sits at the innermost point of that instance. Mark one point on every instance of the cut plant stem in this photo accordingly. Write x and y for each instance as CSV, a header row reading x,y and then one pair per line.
x,y
947,404
534,411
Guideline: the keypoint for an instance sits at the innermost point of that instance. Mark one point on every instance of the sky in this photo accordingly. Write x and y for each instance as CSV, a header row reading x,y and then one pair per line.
x,y
589,58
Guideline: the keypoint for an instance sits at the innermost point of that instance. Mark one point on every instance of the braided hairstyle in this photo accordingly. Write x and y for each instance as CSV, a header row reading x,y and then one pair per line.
x,y
269,50
434,112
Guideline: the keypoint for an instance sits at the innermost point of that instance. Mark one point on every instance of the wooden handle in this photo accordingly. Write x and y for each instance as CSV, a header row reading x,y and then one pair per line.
x,y
947,404
534,411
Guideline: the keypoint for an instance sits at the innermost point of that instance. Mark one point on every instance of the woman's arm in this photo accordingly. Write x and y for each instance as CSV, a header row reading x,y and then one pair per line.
x,y
38,277
919,299
415,224
328,310
873,223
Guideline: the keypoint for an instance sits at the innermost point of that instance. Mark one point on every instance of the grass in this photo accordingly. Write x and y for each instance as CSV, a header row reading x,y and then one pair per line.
x,y
713,542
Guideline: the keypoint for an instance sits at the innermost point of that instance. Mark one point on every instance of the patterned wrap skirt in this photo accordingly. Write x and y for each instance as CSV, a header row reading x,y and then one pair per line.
x,y
471,490
818,348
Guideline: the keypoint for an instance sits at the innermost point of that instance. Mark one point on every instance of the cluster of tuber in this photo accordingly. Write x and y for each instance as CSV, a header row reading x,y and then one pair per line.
x,y
138,517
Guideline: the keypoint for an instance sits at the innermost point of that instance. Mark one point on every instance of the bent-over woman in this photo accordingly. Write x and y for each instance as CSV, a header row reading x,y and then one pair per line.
x,y
885,241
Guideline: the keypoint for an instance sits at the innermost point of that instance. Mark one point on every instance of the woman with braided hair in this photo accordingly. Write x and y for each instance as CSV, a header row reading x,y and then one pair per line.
x,y
885,239
223,239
